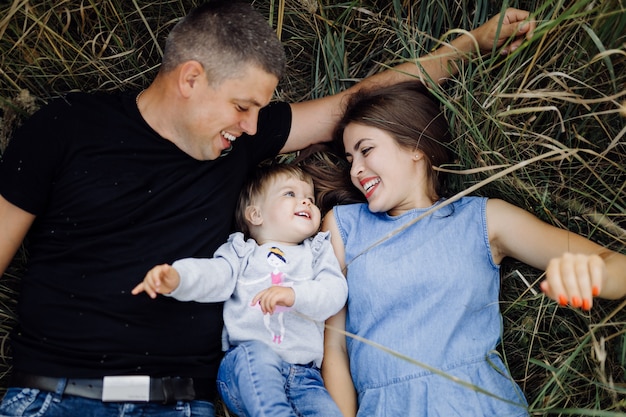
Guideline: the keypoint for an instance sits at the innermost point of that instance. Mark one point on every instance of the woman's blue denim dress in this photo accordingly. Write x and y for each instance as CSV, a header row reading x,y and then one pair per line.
x,y
430,293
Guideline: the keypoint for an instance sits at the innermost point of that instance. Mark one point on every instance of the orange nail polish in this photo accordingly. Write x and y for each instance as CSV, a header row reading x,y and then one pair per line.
x,y
586,304
576,302
562,300
595,291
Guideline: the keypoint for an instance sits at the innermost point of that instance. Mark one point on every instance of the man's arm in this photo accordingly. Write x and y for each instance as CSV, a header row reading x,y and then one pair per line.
x,y
314,121
14,224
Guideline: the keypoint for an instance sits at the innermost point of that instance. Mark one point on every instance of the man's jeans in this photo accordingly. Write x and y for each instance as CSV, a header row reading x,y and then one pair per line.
x,y
27,402
254,381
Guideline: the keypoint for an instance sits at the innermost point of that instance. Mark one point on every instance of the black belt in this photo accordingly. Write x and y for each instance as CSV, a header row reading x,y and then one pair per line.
x,y
165,390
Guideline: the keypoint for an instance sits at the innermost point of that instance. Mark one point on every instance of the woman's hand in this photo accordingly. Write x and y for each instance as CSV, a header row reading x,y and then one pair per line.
x,y
575,279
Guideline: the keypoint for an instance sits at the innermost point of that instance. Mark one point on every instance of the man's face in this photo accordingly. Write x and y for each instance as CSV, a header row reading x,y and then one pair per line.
x,y
217,115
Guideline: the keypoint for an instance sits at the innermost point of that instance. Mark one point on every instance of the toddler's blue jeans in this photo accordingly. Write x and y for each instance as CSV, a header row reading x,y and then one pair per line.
x,y
254,381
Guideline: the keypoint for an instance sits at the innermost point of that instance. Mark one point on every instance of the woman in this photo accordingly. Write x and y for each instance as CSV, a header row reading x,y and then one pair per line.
x,y
423,271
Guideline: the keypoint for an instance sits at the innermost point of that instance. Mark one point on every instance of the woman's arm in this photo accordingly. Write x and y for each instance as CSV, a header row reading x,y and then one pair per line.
x,y
336,365
314,121
577,269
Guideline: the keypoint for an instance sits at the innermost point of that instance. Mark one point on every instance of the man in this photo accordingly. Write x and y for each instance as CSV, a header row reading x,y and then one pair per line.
x,y
109,185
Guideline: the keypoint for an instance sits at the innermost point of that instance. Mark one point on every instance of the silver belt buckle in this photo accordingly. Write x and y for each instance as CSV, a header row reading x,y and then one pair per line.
x,y
126,388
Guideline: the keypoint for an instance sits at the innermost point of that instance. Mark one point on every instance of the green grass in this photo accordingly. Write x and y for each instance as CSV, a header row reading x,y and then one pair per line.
x,y
549,114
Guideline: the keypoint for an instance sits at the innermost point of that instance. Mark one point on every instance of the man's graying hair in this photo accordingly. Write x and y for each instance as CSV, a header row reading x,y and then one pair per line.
x,y
224,36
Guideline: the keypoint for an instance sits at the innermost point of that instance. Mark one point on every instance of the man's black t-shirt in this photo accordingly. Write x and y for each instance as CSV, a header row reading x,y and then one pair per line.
x,y
113,199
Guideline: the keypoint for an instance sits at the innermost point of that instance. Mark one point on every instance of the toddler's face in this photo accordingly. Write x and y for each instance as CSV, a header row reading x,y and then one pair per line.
x,y
289,211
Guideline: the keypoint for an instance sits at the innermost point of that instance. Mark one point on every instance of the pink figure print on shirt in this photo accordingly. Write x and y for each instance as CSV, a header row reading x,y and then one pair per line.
x,y
276,258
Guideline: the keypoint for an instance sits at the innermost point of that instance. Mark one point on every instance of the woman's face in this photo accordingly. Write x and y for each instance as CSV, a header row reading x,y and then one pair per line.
x,y
392,178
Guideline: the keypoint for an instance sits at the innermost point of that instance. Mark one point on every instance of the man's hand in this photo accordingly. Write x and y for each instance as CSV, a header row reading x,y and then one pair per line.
x,y
515,25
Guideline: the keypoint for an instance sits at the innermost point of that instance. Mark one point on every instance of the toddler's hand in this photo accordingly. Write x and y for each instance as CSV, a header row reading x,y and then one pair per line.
x,y
162,279
275,295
